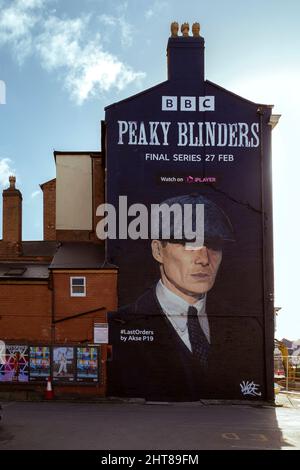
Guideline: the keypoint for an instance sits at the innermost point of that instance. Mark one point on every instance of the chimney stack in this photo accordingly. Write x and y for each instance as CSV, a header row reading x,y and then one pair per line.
x,y
185,53
12,212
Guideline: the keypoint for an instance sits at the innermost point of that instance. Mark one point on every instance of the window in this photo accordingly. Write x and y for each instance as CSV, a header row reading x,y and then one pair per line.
x,y
78,286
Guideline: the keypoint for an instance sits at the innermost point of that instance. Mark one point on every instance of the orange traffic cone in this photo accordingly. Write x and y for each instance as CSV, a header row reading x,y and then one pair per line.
x,y
49,395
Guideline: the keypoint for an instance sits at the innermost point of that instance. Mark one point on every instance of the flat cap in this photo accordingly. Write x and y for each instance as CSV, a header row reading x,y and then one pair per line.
x,y
217,226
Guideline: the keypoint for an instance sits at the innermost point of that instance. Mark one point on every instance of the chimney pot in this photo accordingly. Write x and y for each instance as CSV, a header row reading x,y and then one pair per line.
x,y
196,30
12,182
185,27
186,54
174,29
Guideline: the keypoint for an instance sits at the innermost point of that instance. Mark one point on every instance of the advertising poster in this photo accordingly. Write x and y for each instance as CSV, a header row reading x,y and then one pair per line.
x,y
195,317
39,363
15,368
63,364
87,364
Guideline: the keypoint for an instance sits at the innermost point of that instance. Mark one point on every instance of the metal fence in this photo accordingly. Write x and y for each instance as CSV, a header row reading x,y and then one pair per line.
x,y
287,372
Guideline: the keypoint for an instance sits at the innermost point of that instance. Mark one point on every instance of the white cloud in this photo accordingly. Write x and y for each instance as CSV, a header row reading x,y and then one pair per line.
x,y
5,171
64,46
87,69
126,30
58,45
34,194
16,25
155,9
108,20
149,13
30,4
122,7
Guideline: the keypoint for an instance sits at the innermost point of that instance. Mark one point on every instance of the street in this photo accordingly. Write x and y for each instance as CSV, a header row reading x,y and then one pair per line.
x,y
105,426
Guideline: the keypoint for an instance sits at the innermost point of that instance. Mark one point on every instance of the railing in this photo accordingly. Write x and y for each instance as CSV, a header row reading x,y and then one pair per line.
x,y
287,372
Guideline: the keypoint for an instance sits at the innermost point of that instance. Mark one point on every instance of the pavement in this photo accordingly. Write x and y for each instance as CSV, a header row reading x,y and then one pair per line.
x,y
288,399
133,426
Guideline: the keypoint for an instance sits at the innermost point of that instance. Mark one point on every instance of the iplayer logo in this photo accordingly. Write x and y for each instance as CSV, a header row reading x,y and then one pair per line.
x,y
188,103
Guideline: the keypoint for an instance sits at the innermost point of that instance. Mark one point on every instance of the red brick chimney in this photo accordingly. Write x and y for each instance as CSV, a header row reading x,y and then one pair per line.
x,y
12,213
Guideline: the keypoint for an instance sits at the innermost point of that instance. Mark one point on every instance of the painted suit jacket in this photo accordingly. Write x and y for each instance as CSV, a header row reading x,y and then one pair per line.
x,y
149,360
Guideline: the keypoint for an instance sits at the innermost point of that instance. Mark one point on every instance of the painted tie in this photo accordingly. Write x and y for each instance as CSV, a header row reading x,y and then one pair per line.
x,y
199,343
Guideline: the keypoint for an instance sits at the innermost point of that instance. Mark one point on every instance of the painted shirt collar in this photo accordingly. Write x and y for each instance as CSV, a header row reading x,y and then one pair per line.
x,y
176,307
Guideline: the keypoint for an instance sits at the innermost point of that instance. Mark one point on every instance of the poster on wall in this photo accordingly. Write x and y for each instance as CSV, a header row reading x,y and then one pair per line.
x,y
63,364
15,368
100,333
87,364
39,363
195,318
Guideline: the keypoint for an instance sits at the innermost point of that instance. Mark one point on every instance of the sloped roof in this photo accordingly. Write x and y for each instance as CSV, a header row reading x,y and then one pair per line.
x,y
23,271
229,92
208,82
80,255
47,182
39,248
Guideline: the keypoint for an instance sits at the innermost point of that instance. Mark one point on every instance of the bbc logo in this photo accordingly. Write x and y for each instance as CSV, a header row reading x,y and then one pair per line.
x,y
188,103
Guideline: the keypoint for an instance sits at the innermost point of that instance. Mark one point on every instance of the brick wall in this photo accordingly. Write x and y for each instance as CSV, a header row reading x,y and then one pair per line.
x,y
101,291
12,215
49,201
25,312
25,309
73,235
98,192
9,250
26,316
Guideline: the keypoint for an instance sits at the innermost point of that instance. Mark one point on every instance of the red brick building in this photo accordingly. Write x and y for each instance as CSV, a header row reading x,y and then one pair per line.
x,y
53,292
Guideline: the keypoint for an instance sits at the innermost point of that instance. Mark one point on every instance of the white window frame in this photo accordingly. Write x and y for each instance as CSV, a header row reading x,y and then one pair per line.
x,y
74,294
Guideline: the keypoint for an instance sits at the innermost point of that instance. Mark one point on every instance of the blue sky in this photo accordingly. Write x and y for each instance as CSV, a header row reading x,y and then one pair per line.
x,y
63,61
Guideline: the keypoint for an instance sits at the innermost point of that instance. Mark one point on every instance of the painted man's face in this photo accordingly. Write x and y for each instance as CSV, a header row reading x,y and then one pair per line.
x,y
186,271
